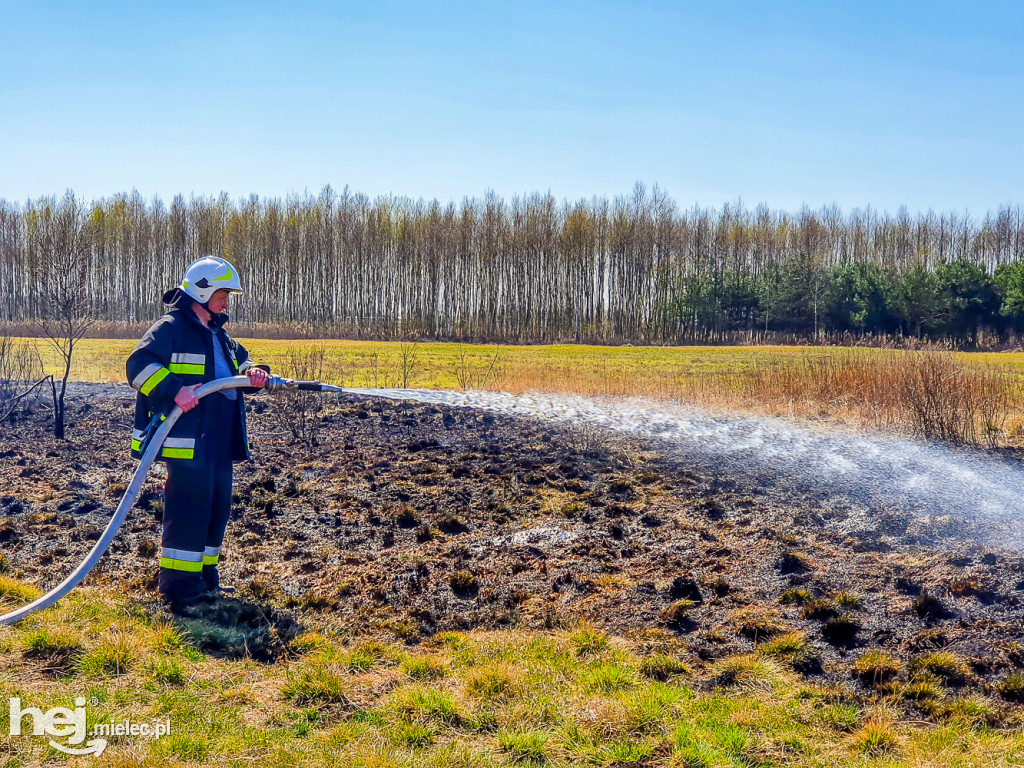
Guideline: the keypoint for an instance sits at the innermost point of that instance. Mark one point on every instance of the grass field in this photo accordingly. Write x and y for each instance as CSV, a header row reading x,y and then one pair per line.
x,y
978,396
572,696
566,366
102,360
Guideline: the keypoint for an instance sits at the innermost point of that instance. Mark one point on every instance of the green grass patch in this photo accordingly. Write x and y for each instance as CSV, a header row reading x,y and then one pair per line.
x,y
849,600
588,641
875,667
662,667
947,666
413,735
317,683
795,596
714,743
844,718
744,670
509,697
432,705
607,678
51,643
524,747
168,670
1012,688
876,739
491,682
424,668
14,592
788,645
114,655
653,707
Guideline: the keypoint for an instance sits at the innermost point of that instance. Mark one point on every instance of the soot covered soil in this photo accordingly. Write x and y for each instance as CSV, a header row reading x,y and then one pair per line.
x,y
414,519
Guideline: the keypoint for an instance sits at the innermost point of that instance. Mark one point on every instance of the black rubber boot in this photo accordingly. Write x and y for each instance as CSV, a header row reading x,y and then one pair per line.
x,y
179,588
178,604
211,579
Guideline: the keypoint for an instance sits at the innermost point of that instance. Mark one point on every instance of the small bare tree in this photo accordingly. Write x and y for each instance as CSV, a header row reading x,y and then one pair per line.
x,y
407,360
376,376
60,236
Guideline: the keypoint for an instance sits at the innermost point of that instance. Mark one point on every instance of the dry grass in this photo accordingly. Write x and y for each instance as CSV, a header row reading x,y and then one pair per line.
x,y
876,666
935,395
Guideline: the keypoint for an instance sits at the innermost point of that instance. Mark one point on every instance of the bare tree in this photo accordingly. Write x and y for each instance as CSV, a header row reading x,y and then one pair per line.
x,y
60,238
407,363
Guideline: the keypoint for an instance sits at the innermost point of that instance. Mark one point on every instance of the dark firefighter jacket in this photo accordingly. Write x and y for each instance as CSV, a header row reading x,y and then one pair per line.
x,y
177,351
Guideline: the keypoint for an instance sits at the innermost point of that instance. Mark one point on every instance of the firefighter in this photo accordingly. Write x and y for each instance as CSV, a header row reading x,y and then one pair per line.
x,y
182,350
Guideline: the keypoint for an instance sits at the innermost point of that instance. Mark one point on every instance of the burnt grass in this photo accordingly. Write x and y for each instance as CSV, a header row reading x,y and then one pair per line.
x,y
411,519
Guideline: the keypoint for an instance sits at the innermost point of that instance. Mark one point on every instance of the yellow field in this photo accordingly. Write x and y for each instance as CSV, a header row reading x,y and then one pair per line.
x,y
102,360
979,396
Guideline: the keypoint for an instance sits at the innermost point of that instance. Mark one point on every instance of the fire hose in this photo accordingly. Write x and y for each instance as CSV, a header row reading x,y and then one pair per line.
x,y
151,449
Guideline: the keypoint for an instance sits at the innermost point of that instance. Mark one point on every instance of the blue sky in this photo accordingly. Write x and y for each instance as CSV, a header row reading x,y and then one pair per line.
x,y
787,103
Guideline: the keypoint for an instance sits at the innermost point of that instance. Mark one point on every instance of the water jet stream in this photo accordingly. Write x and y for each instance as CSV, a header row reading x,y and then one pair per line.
x,y
870,471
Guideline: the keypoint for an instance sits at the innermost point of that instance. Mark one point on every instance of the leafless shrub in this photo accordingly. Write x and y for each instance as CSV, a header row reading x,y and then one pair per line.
x,y
300,414
372,372
949,401
377,376
470,376
994,406
585,437
931,394
21,371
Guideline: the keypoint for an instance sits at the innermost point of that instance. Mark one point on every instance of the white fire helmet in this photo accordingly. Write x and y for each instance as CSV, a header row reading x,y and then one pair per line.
x,y
207,275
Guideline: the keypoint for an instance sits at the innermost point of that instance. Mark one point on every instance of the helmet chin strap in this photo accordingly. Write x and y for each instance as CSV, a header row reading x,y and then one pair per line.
x,y
216,319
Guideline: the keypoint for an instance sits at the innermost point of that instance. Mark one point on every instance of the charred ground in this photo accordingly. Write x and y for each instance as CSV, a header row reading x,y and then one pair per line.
x,y
414,519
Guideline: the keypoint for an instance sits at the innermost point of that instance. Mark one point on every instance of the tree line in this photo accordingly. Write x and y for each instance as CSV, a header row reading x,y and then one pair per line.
x,y
636,268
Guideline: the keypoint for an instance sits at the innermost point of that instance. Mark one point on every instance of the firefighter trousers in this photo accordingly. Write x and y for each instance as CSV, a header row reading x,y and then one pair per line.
x,y
197,505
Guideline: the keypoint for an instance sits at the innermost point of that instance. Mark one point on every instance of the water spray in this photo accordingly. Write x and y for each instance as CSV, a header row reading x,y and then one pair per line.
x,y
863,474
151,450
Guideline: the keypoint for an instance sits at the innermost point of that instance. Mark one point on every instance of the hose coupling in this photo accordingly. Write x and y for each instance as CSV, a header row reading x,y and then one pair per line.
x,y
277,383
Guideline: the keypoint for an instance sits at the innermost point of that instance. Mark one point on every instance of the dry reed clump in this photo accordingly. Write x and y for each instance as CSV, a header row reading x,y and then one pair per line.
x,y
936,395
951,401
